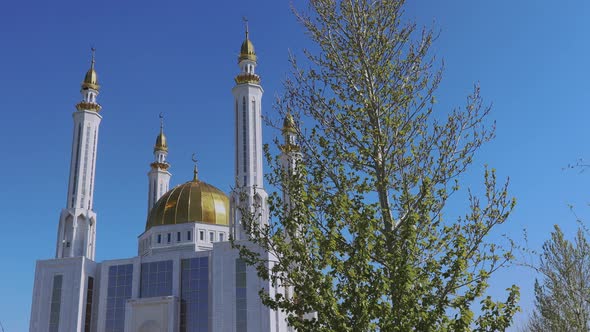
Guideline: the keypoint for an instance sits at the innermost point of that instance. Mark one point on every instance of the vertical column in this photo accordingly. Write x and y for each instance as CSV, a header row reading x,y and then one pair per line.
x,y
77,225
158,176
249,190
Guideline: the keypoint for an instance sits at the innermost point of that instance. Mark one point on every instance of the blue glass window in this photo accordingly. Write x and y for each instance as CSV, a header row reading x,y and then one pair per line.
x,y
55,304
241,298
89,295
156,279
194,295
118,291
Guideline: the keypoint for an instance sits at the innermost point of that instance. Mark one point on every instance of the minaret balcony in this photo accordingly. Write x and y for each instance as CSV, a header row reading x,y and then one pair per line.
x,y
160,165
247,78
86,106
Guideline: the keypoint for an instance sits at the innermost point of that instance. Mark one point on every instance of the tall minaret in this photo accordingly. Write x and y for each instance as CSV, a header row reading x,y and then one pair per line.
x,y
248,120
158,176
77,223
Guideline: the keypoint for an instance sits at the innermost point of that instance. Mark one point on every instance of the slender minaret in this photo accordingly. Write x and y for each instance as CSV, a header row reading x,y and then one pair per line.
x,y
290,153
158,176
249,190
77,223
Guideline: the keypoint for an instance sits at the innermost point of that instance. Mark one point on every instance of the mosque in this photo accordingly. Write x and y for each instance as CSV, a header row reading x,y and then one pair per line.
x,y
186,276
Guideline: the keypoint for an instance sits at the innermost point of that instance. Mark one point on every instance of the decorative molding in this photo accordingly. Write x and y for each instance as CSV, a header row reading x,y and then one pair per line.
x,y
247,78
85,106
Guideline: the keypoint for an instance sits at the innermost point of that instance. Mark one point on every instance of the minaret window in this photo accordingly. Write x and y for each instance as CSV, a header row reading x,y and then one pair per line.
x,y
188,235
237,167
178,237
244,135
85,167
254,136
159,238
77,165
54,311
92,170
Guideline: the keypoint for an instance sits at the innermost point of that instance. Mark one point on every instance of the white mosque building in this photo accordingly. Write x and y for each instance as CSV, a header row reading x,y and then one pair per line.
x,y
186,277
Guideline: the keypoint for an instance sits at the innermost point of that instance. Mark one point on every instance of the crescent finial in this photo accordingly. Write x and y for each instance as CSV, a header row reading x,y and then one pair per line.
x,y
195,170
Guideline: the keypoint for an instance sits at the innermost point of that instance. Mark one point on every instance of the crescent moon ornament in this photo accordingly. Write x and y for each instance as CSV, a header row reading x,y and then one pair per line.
x,y
194,158
161,116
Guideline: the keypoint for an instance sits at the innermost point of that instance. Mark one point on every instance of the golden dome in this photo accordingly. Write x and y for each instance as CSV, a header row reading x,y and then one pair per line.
x,y
247,50
91,78
289,124
161,144
194,201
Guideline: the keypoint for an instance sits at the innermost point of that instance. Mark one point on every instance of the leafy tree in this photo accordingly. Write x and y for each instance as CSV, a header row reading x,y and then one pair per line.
x,y
359,235
562,297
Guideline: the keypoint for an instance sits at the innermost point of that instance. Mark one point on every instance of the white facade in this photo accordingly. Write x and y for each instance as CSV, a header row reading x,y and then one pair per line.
x,y
186,276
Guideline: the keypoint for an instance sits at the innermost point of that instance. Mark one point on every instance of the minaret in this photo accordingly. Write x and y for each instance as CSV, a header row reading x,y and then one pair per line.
x,y
77,223
158,176
248,139
290,152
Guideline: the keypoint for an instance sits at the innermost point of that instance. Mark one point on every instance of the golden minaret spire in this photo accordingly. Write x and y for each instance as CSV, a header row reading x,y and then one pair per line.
x,y
90,88
246,25
91,78
161,143
93,50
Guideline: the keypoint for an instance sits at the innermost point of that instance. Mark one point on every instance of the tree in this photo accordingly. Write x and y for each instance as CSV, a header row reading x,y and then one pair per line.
x,y
359,235
562,297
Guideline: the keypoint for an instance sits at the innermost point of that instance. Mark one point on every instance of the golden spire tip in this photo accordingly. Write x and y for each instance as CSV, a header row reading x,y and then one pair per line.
x,y
195,170
93,50
246,24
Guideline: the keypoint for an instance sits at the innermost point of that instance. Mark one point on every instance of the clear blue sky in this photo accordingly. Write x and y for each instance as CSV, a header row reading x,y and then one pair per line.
x,y
179,58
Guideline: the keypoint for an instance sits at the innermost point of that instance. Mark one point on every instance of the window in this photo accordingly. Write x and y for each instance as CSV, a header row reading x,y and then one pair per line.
x,y
201,235
244,136
55,304
211,236
255,161
178,237
241,298
194,294
169,237
221,237
237,163
159,238
188,235
89,294
118,291
156,279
